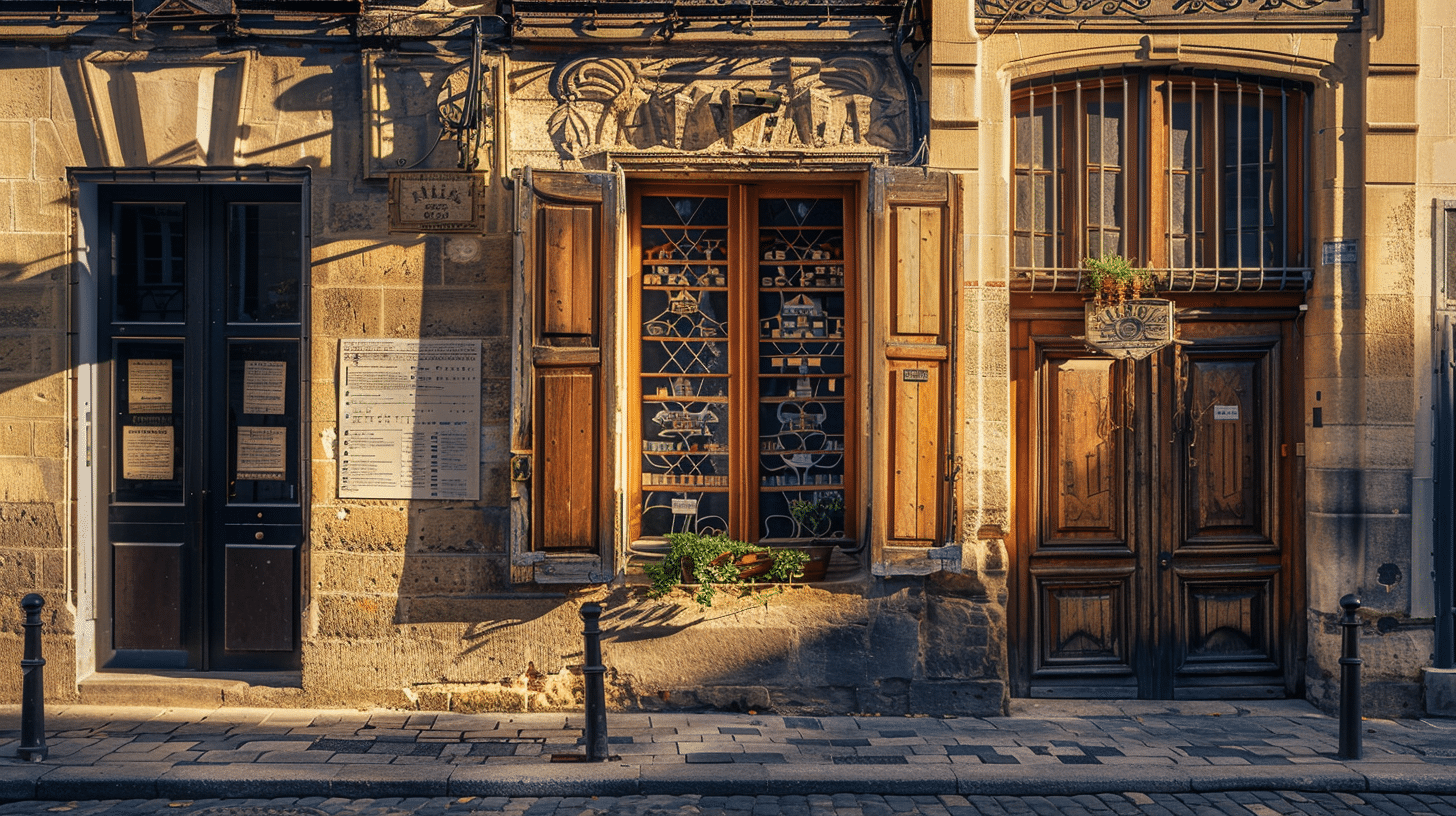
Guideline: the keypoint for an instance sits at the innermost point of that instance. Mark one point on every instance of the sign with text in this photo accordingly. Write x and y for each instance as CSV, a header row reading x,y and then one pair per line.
x,y
442,201
409,419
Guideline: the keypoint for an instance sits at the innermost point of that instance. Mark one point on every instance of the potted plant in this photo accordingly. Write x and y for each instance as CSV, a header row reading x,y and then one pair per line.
x,y
813,519
1113,279
715,561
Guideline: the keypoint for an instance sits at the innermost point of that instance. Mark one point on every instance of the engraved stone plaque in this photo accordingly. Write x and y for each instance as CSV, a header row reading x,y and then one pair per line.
x,y
435,202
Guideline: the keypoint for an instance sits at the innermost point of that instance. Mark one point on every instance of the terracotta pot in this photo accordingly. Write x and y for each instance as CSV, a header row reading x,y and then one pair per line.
x,y
818,564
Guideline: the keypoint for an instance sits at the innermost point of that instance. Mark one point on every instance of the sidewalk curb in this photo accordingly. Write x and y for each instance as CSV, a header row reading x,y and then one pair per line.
x,y
65,783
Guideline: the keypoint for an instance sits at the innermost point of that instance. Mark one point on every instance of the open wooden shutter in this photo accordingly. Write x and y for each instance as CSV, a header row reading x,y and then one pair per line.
x,y
911,366
560,465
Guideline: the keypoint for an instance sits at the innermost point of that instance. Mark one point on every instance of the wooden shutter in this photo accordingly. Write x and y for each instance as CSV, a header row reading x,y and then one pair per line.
x,y
560,465
911,364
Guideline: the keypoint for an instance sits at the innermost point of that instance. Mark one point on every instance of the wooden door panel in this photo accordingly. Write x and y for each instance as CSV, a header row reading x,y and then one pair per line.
x,y
1080,458
1227,459
1227,622
1084,625
148,596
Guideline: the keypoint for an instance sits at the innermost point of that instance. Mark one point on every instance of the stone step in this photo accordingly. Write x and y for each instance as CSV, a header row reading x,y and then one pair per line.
x,y
192,689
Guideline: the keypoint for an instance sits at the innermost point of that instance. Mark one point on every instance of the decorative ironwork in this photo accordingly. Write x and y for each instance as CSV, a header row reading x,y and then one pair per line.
x,y
1002,10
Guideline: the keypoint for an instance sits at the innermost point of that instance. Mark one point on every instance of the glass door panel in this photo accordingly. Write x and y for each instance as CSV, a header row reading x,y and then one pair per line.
x,y
801,367
685,367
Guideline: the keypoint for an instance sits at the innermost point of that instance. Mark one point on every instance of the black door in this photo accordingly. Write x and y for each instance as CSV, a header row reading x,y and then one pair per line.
x,y
201,306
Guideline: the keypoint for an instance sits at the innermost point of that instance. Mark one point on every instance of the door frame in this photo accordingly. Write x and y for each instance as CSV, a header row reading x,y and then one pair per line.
x,y
1153,672
90,383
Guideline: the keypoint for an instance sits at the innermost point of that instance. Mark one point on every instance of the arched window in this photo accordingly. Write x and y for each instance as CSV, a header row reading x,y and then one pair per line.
x,y
1200,175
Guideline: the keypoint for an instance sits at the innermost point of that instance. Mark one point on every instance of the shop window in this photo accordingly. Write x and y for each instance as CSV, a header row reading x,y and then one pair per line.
x,y
1199,176
703,357
744,406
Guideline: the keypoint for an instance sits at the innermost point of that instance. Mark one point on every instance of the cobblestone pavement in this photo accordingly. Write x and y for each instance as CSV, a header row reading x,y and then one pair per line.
x,y
1238,803
1063,747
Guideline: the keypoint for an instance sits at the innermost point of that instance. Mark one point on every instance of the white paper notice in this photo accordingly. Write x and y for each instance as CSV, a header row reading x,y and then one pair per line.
x,y
149,387
1225,413
409,419
262,453
264,386
146,452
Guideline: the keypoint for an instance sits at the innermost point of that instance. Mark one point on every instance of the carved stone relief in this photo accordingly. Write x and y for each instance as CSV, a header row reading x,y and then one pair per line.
x,y
848,103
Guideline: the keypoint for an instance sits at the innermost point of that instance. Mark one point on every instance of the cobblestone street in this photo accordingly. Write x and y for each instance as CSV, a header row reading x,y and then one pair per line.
x,y
1235,803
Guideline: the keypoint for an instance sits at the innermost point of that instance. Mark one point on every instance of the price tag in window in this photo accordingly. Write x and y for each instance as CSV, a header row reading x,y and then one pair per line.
x,y
684,507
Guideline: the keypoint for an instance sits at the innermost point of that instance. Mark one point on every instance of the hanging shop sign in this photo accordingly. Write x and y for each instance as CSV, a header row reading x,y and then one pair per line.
x,y
1132,329
440,201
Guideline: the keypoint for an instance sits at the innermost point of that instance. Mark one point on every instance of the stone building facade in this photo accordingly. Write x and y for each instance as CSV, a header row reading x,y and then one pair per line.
x,y
349,347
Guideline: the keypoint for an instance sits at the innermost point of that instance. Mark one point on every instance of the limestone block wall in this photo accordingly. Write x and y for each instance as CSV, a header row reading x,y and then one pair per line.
x,y
38,132
1369,336
411,603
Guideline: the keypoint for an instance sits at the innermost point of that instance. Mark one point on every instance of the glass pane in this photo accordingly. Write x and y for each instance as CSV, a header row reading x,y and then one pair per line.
x,y
1178,203
263,421
801,364
265,262
1104,133
1181,136
150,262
148,419
1036,141
684,369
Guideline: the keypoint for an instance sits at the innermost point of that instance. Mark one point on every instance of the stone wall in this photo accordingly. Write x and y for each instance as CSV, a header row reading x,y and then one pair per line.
x,y
38,130
411,604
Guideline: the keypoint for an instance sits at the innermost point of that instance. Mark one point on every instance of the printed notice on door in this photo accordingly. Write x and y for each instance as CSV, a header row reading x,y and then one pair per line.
x,y
263,386
149,387
262,454
409,419
146,452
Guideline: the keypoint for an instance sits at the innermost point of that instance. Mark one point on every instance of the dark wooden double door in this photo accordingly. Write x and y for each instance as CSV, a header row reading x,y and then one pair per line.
x,y
199,342
1158,509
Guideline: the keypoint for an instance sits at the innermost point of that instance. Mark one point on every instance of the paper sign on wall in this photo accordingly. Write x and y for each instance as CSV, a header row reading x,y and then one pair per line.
x,y
149,387
146,452
1225,413
262,454
264,386
409,419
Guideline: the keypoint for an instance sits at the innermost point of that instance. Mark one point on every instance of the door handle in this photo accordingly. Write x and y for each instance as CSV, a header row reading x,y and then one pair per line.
x,y
1165,560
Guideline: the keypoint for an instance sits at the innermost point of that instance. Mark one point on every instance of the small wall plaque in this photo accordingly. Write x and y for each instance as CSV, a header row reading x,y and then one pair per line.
x,y
441,201
1339,253
1226,413
916,375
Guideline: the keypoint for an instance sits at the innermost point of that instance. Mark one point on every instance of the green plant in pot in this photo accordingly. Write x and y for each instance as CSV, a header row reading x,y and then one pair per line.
x,y
813,517
1113,279
715,561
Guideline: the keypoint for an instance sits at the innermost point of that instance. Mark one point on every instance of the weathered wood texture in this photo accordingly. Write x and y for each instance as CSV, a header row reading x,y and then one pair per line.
x,y
1157,535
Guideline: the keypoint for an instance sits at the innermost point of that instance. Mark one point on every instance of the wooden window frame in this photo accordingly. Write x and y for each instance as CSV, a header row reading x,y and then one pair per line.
x,y
743,342
1149,100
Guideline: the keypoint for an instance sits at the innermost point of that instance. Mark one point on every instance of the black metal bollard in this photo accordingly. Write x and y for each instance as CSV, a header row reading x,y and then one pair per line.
x,y
1350,715
596,690
32,690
